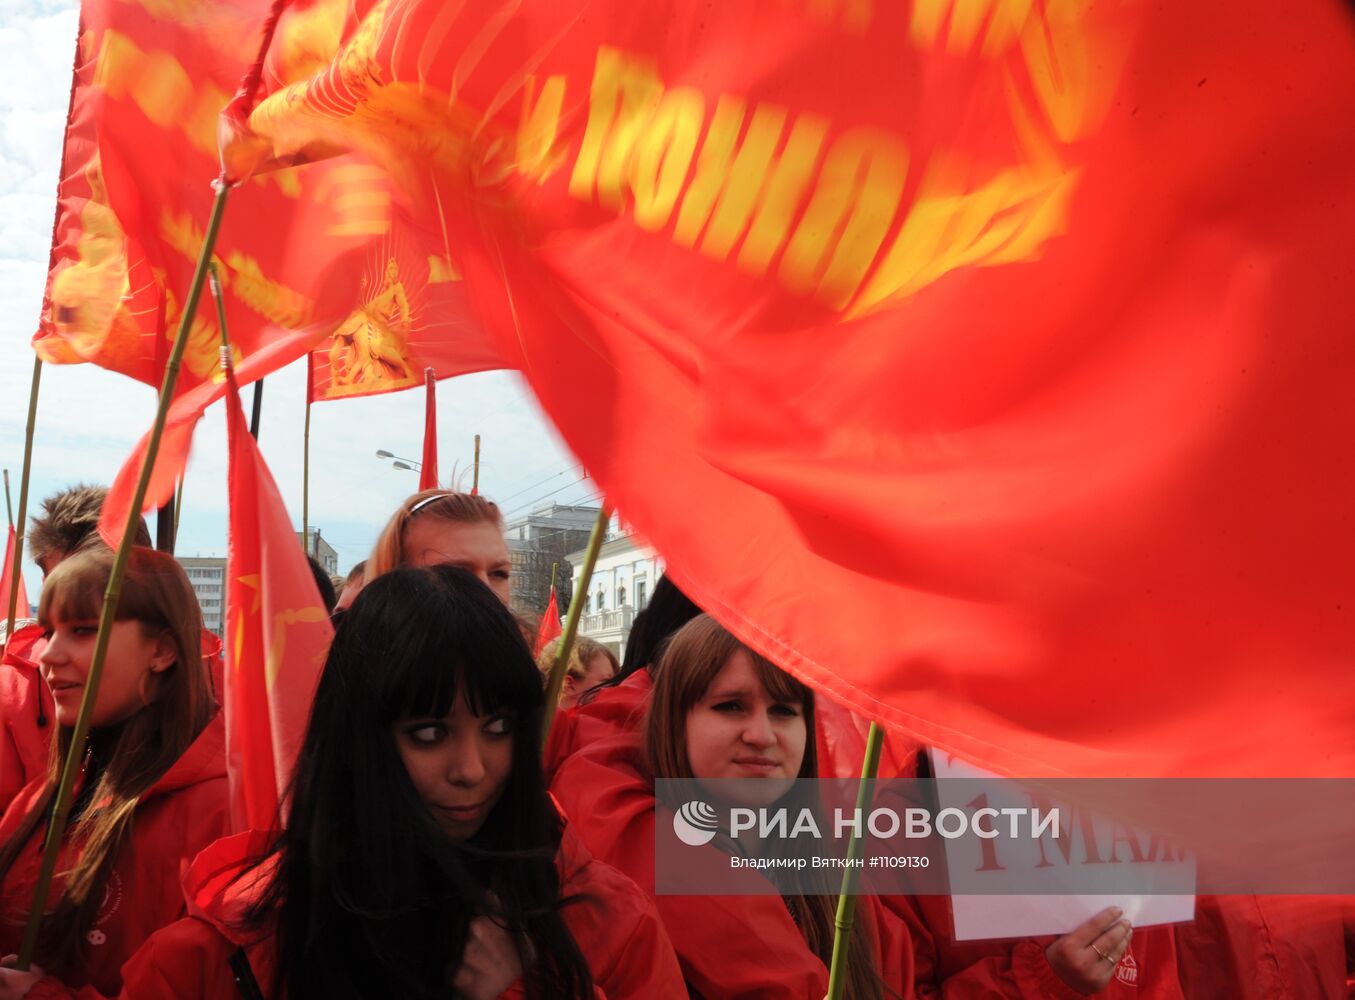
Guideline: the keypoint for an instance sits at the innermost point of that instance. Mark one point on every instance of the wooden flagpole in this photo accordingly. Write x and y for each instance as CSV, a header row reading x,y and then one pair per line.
x,y
17,565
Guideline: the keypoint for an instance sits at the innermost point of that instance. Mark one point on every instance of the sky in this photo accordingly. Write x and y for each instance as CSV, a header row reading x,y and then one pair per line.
x,y
88,419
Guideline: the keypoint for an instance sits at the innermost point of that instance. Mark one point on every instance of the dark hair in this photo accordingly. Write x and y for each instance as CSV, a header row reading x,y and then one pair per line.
x,y
667,611
370,897
323,584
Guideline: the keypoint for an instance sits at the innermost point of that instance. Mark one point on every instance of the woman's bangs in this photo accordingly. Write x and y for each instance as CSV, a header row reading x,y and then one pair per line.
x,y
507,680
422,686
779,684
452,658
72,595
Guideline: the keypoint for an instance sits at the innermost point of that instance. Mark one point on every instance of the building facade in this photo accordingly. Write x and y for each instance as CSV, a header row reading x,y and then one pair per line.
x,y
207,574
321,551
539,539
623,579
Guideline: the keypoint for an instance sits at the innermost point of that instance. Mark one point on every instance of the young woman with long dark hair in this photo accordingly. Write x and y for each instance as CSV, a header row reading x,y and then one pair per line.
x,y
422,856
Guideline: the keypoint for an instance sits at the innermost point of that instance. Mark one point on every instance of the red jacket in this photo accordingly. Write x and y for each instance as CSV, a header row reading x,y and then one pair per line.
x,y
26,708
614,925
182,813
608,711
1265,948
728,946
26,724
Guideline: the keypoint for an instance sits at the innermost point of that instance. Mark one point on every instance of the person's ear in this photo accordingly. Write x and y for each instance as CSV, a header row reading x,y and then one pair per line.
x,y
165,653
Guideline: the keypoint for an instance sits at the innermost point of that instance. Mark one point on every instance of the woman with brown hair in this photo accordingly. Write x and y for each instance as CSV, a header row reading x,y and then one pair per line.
x,y
591,664
446,528
720,711
152,792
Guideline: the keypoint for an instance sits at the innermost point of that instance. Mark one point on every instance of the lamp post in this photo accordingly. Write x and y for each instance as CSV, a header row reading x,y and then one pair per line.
x,y
409,464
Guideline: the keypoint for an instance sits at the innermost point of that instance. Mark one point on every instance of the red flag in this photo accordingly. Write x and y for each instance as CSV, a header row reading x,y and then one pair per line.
x,y
7,581
550,624
987,364
277,633
428,473
321,249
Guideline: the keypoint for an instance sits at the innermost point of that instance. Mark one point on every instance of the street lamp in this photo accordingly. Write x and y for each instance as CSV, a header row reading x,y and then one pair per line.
x,y
409,464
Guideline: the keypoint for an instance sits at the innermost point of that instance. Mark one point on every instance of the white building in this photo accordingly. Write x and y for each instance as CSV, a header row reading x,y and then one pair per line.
x,y
623,579
207,574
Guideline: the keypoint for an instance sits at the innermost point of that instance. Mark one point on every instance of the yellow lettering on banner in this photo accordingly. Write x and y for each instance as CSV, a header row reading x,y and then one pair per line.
x,y
712,167
1005,25
1005,221
854,203
1074,84
537,153
742,181
963,21
624,92
783,193
663,155
768,183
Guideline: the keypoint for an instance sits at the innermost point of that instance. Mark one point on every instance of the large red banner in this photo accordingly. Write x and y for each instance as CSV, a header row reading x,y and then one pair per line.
x,y
988,364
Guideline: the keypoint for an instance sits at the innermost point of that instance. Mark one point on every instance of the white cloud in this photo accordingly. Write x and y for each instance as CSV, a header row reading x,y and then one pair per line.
x,y
89,419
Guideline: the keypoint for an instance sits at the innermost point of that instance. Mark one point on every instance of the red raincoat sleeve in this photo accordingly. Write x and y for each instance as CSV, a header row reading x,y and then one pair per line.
x,y
186,959
1265,947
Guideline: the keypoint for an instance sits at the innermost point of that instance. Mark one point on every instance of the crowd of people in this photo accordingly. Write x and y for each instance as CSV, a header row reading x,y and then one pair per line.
x,y
431,846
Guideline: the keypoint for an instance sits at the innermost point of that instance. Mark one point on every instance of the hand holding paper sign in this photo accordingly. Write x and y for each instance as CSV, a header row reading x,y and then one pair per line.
x,y
1019,887
1086,958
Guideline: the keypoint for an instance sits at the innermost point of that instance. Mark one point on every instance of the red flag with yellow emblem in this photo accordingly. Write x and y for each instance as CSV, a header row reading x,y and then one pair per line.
x,y
277,633
316,255
985,363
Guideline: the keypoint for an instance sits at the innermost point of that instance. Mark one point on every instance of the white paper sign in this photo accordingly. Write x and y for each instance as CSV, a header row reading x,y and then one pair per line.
x,y
1058,863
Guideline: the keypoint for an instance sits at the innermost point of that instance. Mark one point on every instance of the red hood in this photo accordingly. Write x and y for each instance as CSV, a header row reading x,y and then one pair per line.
x,y
204,760
213,887
21,651
610,710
